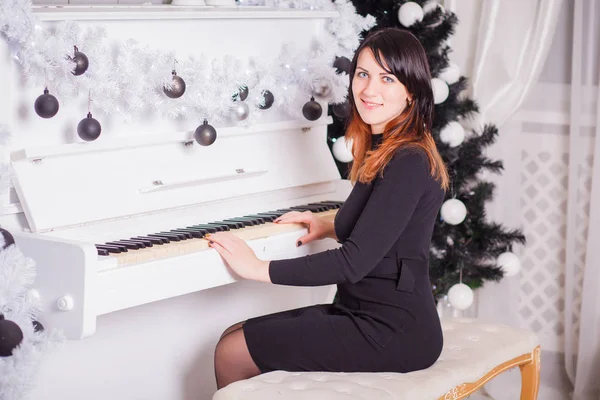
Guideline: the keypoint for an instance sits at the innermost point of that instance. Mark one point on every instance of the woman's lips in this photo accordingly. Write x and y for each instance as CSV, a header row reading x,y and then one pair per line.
x,y
369,105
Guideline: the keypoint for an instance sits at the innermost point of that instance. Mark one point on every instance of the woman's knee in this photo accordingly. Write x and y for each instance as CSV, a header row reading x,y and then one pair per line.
x,y
232,328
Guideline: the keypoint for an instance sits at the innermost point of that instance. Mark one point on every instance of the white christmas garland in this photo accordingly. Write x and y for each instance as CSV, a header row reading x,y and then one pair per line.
x,y
130,83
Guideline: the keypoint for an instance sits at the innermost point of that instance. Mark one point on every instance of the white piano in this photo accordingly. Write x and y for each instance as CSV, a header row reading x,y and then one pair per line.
x,y
115,226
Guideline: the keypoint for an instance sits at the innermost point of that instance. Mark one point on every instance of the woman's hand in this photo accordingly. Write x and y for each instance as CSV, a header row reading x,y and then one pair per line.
x,y
317,227
239,256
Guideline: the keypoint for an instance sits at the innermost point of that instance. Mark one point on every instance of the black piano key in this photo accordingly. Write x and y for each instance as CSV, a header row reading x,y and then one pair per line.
x,y
201,230
153,240
102,252
207,228
194,234
172,237
271,214
329,206
337,203
146,242
121,247
186,235
254,218
231,225
131,246
179,236
245,222
264,217
111,249
141,244
310,208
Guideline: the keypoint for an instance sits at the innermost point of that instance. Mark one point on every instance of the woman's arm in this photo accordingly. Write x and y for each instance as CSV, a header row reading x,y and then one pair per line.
x,y
389,209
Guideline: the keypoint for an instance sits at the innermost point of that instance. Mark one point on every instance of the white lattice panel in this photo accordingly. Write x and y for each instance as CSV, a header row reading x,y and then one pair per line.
x,y
544,182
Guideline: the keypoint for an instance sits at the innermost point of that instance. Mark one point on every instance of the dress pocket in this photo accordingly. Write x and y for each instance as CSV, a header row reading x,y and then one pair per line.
x,y
406,280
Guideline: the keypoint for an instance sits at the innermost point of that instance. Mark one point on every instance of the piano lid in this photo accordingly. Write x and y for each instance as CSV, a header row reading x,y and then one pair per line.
x,y
77,184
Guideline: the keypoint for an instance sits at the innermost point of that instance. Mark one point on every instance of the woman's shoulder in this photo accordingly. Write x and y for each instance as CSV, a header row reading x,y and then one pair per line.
x,y
409,157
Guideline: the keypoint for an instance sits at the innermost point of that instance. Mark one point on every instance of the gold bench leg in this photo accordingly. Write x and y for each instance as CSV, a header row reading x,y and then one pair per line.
x,y
530,376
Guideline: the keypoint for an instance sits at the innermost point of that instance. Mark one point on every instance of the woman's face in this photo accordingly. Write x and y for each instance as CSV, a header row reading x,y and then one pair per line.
x,y
379,96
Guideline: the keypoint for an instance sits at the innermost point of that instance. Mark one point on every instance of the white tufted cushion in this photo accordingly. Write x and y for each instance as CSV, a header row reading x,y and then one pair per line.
x,y
471,350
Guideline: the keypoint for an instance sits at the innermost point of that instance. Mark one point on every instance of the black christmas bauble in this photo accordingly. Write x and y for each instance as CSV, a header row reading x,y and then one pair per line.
x,y
46,105
205,134
37,326
312,110
242,94
269,99
88,128
177,87
342,64
81,62
341,110
6,239
10,336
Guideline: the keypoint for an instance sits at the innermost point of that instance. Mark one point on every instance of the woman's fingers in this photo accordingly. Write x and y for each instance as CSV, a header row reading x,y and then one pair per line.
x,y
299,218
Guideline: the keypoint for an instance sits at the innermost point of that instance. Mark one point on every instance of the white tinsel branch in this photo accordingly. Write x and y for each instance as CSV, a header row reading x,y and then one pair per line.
x,y
131,81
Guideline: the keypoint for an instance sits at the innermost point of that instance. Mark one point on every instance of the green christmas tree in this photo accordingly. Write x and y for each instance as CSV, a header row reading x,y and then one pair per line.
x,y
472,249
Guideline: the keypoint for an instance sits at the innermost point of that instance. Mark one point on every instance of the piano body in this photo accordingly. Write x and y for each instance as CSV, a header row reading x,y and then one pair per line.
x,y
115,226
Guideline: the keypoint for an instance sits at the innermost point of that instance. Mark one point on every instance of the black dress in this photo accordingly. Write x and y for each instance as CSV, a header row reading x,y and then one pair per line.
x,y
385,317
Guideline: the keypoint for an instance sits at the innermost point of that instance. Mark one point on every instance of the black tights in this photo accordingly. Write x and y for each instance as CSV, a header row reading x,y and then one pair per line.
x,y
232,358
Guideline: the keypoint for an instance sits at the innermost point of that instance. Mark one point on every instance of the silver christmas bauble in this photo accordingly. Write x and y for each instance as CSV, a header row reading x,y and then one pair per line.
x,y
241,110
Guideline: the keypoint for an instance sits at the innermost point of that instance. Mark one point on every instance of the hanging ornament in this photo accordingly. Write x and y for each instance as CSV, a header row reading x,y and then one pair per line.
x,y
177,88
205,134
46,105
460,296
37,326
321,89
341,110
440,90
509,262
89,128
10,336
268,100
81,62
453,134
312,110
240,110
409,13
242,93
6,239
450,74
453,211
342,64
342,149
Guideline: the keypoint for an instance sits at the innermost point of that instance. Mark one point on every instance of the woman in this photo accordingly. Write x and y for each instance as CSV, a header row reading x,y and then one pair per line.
x,y
385,318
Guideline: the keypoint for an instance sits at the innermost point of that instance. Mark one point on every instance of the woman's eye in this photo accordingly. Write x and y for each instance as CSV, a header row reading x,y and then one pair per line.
x,y
388,79
362,74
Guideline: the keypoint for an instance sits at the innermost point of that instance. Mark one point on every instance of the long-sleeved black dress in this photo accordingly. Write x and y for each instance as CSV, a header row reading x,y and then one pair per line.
x,y
385,317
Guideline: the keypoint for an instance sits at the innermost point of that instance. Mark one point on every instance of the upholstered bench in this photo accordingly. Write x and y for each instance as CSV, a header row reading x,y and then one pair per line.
x,y
474,352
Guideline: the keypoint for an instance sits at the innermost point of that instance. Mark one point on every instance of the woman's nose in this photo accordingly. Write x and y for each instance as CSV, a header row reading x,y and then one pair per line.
x,y
371,88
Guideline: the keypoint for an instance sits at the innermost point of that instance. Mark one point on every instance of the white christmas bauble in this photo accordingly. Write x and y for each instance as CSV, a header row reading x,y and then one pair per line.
x,y
453,211
409,13
342,149
510,263
460,296
453,134
440,90
451,74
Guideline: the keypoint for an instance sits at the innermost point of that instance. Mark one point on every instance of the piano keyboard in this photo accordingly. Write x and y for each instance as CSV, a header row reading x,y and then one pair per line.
x,y
189,239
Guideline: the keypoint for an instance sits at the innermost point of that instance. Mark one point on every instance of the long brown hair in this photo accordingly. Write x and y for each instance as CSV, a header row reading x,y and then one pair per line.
x,y
401,54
